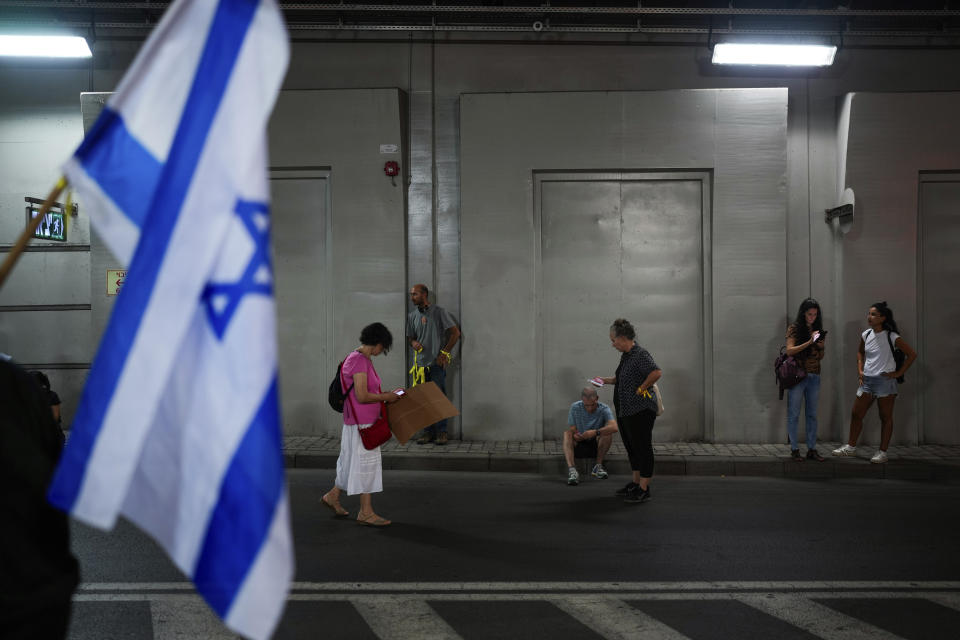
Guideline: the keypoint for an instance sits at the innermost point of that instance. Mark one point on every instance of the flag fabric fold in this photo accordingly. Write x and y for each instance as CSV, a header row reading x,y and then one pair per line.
x,y
178,428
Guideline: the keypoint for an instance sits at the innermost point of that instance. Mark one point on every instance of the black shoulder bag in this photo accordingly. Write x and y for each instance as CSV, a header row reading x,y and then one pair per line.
x,y
898,357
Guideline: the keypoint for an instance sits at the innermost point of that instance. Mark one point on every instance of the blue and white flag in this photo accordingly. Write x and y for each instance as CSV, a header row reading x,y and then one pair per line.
x,y
178,428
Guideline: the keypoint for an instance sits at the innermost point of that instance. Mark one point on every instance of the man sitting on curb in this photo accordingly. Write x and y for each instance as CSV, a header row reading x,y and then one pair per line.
x,y
590,432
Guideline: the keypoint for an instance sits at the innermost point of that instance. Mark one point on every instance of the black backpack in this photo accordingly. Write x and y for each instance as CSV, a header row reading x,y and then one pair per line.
x,y
336,396
788,371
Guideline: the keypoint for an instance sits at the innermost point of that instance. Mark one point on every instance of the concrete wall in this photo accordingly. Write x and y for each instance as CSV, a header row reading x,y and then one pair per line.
x,y
738,135
351,272
892,138
434,75
45,306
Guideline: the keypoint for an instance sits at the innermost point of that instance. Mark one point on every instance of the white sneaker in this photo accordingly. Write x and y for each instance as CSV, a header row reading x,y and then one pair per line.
x,y
573,478
845,450
879,458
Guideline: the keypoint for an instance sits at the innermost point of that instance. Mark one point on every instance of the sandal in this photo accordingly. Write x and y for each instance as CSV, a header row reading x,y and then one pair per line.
x,y
338,510
373,521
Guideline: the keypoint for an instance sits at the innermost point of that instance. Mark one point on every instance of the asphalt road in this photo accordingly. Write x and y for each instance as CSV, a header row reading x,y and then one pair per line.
x,y
475,555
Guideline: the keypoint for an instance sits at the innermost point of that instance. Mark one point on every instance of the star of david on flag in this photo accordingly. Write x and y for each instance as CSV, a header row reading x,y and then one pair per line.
x,y
178,428
223,298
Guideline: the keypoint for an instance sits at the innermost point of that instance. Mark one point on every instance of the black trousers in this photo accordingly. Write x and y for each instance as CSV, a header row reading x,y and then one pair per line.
x,y
637,434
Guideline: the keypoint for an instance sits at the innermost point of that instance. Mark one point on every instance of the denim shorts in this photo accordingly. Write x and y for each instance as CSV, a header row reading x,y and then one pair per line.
x,y
878,386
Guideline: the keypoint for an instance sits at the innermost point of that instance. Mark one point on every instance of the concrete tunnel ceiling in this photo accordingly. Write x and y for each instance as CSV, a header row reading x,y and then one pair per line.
x,y
914,24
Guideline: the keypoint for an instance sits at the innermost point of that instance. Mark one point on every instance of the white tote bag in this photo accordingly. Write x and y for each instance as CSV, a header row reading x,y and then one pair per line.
x,y
656,390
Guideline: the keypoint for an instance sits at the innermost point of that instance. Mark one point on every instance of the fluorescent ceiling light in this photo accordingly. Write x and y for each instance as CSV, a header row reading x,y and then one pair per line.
x,y
790,55
44,46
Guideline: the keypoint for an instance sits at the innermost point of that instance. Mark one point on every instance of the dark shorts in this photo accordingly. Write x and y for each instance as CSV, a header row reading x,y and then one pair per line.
x,y
585,449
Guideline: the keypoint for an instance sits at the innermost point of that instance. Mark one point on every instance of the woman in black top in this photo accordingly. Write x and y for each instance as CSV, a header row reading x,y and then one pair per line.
x,y
636,407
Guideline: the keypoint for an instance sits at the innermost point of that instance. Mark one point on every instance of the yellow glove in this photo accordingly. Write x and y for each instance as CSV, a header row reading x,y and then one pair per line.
x,y
417,372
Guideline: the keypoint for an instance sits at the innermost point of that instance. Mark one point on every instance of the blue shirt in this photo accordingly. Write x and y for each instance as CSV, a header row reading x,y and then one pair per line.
x,y
583,420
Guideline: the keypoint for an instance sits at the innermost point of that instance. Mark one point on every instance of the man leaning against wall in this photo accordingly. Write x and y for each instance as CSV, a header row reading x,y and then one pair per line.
x,y
432,333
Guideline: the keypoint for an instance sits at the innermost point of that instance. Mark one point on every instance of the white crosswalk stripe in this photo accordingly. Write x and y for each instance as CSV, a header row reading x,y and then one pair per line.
x,y
616,620
402,618
402,611
814,617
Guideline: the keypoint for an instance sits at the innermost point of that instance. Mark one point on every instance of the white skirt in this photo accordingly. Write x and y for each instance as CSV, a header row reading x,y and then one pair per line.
x,y
359,470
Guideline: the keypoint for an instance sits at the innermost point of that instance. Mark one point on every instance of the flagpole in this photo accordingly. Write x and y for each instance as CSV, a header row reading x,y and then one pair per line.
x,y
24,238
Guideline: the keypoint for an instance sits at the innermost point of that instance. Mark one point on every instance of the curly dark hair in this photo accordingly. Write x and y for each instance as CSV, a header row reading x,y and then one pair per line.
x,y
623,329
888,322
376,333
800,324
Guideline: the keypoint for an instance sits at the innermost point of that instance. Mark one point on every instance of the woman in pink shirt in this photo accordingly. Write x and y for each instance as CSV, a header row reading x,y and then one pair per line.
x,y
359,470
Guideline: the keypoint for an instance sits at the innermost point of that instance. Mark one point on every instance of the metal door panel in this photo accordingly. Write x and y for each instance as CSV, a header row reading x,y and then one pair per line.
x,y
626,245
663,293
939,310
580,250
299,214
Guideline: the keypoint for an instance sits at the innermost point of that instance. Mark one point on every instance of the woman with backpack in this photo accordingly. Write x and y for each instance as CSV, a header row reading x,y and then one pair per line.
x,y
805,338
879,367
360,470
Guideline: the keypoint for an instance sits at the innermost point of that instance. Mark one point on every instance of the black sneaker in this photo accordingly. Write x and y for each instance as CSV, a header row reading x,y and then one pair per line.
x,y
637,495
813,455
625,489
795,455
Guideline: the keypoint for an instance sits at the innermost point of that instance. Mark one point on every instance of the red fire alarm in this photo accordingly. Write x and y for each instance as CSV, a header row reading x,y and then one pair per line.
x,y
391,168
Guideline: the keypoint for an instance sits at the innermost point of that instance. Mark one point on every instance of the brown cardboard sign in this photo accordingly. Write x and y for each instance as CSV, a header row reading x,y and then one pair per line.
x,y
419,407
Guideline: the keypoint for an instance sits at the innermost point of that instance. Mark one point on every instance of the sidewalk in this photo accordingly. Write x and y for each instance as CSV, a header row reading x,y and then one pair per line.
x,y
926,462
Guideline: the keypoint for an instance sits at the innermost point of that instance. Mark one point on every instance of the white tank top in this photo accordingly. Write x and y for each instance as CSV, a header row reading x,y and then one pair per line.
x,y
879,356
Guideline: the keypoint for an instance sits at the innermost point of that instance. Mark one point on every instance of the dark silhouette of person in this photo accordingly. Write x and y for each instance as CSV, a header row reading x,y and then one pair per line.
x,y
38,573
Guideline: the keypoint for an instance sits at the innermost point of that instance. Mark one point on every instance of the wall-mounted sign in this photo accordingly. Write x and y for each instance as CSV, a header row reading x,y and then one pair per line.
x,y
52,226
389,148
115,278
54,223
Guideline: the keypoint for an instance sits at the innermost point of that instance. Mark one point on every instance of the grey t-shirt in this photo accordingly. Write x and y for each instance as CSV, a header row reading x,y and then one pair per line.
x,y
428,328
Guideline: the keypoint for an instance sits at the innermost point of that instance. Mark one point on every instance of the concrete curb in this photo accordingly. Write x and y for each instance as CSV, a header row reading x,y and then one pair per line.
x,y
936,469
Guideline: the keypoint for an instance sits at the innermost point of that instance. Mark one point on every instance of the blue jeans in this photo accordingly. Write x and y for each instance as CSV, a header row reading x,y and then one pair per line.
x,y
437,375
809,389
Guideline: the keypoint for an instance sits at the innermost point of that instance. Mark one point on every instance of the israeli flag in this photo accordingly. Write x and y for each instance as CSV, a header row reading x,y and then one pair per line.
x,y
178,428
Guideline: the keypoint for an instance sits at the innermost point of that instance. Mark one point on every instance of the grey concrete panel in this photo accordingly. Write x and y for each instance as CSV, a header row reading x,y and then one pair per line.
x,y
420,193
624,244
299,202
447,260
937,374
101,260
891,139
48,278
743,137
343,131
46,337
749,267
580,288
662,291
34,142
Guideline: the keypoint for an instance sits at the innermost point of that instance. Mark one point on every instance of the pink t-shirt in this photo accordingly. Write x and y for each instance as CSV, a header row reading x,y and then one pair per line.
x,y
356,362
